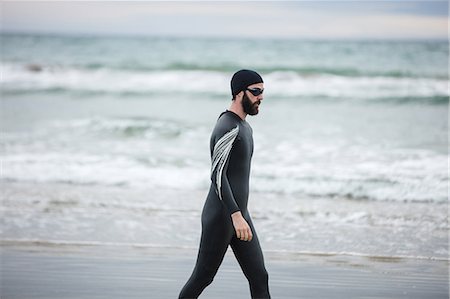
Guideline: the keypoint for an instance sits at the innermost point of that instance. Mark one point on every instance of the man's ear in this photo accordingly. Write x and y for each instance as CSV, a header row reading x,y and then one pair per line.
x,y
240,95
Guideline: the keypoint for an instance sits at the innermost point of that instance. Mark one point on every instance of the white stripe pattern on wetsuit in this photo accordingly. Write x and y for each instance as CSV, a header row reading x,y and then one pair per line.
x,y
221,152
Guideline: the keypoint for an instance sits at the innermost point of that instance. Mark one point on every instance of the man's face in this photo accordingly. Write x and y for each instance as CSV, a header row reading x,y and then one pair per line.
x,y
250,102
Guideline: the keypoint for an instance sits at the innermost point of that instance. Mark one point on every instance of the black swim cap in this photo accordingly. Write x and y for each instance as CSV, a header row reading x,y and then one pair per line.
x,y
242,79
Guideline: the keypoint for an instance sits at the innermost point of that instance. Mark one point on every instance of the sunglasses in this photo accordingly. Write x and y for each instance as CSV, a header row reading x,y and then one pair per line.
x,y
256,91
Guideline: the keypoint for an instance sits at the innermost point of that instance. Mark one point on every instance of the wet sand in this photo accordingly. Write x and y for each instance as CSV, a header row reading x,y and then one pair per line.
x,y
57,272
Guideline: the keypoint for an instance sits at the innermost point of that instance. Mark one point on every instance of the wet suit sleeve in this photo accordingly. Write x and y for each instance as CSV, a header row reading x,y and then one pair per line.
x,y
220,158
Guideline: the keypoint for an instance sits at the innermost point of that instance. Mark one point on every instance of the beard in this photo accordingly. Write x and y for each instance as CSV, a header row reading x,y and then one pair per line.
x,y
249,107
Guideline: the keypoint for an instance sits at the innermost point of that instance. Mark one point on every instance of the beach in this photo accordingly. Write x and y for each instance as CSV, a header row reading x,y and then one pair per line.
x,y
46,271
136,252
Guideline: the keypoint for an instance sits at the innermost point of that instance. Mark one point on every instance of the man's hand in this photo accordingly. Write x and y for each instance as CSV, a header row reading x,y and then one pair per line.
x,y
243,231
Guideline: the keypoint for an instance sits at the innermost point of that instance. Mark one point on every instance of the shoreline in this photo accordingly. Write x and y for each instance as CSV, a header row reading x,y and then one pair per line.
x,y
85,215
135,272
36,244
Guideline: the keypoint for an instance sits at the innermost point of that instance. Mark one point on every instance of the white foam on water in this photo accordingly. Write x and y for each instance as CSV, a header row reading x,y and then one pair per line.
x,y
197,82
413,180
146,152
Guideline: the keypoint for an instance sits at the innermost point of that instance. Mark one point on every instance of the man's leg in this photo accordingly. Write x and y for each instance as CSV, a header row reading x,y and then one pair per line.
x,y
213,246
251,260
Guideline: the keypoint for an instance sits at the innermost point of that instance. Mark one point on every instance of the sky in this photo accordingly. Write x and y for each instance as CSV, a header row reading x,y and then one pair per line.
x,y
256,19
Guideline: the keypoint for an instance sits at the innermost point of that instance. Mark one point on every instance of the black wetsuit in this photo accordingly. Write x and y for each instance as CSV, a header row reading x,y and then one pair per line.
x,y
231,152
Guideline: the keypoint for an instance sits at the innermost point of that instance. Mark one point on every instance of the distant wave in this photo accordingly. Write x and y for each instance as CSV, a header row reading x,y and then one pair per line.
x,y
434,100
80,93
18,80
228,69
303,71
392,59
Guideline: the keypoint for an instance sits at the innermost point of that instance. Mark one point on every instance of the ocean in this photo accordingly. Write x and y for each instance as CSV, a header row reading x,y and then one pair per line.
x,y
105,140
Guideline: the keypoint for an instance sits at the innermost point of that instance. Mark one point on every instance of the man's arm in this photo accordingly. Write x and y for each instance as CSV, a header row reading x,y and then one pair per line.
x,y
220,159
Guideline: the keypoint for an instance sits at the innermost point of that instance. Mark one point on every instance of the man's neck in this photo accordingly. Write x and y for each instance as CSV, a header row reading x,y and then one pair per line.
x,y
237,108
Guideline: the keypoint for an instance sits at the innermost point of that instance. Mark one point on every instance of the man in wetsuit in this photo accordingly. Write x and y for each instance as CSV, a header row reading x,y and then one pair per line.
x,y
225,218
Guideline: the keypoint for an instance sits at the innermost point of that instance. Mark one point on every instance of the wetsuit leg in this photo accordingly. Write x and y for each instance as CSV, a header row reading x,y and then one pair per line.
x,y
251,260
214,243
